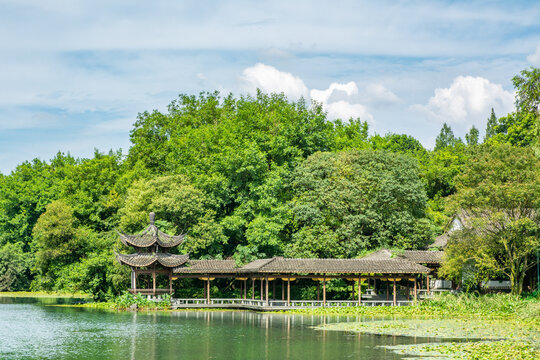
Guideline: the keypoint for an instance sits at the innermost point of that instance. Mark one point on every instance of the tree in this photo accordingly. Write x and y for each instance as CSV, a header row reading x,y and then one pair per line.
x,y
14,268
527,86
491,127
500,191
347,202
446,138
58,242
179,208
472,136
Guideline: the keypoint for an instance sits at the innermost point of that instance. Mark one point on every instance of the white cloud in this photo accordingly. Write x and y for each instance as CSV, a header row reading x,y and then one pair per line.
x,y
534,59
467,101
271,80
378,94
341,101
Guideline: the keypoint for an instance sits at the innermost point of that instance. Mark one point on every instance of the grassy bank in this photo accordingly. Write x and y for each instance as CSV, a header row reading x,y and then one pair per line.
x,y
500,326
43,294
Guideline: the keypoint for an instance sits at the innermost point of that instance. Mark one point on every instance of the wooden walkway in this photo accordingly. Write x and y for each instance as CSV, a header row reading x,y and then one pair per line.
x,y
276,305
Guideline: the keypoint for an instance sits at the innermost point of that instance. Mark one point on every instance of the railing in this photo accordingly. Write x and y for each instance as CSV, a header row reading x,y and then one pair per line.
x,y
281,304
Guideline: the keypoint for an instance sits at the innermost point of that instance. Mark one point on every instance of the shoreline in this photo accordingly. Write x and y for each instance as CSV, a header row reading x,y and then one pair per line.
x,y
43,294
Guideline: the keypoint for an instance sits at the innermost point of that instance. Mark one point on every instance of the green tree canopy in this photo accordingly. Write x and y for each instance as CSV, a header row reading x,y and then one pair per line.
x,y
347,202
500,190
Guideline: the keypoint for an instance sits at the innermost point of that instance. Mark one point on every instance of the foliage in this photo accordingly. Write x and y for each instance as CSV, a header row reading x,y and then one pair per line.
x,y
126,300
180,208
14,268
500,191
446,138
347,202
472,136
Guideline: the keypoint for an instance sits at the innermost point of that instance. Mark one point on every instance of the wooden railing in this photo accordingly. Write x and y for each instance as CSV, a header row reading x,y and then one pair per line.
x,y
280,304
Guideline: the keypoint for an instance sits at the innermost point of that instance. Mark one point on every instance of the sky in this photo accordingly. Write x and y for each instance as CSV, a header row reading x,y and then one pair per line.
x,y
75,74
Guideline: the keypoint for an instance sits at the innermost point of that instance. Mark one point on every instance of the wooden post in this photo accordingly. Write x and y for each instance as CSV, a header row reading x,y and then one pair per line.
x,y
395,295
252,288
324,291
154,282
208,290
274,289
288,291
408,290
245,289
387,290
170,282
427,281
415,291
282,290
353,292
318,290
359,291
262,288
267,291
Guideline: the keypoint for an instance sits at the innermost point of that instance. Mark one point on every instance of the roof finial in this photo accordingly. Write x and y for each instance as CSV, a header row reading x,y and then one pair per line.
x,y
152,218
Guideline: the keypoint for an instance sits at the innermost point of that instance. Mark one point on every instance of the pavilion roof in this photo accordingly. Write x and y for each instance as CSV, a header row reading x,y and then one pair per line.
x,y
144,260
151,236
305,266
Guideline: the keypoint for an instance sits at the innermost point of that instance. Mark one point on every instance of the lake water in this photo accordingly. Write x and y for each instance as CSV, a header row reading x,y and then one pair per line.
x,y
30,329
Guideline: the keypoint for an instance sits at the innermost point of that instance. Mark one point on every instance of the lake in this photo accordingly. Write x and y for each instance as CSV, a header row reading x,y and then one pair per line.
x,y
32,329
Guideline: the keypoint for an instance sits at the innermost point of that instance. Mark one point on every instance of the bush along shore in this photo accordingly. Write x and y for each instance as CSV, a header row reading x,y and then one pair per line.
x,y
495,326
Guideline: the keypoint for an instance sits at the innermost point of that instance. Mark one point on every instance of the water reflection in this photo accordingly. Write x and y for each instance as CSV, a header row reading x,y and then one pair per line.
x,y
34,331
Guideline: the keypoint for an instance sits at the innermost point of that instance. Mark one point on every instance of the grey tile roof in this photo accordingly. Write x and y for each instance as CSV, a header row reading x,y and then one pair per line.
x,y
150,236
207,266
280,265
416,256
144,260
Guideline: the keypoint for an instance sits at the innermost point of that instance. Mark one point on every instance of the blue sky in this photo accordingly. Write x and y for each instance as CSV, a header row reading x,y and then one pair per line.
x,y
74,74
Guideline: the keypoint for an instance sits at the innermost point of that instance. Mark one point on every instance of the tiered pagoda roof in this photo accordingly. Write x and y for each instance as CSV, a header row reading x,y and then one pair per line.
x,y
148,244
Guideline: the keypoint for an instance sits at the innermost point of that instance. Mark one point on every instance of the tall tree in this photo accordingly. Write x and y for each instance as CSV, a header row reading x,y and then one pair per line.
x,y
491,127
472,136
527,85
446,138
500,192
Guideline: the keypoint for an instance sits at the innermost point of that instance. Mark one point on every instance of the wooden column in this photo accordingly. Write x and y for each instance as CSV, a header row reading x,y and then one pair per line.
x,y
252,288
267,290
387,290
282,290
133,280
353,292
245,289
359,291
208,290
154,282
170,282
262,287
427,282
408,290
288,291
415,290
324,291
395,294
318,290
274,289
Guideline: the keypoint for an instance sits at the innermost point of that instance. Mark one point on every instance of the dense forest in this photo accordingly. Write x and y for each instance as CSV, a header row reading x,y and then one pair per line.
x,y
257,176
